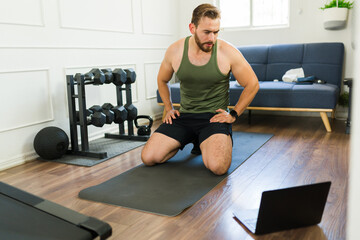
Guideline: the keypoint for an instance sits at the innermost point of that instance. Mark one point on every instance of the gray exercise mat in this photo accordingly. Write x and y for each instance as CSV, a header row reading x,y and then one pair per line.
x,y
169,188
113,147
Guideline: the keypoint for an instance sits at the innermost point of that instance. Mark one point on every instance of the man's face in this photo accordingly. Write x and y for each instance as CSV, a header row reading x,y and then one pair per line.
x,y
206,33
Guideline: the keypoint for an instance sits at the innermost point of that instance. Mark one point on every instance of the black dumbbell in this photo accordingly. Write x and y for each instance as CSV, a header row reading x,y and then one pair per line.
x,y
130,76
107,106
97,119
120,76
131,110
95,108
143,130
95,76
119,111
108,113
127,76
87,112
109,77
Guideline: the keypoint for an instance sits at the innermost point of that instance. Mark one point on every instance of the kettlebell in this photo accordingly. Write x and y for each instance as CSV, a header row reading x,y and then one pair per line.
x,y
144,129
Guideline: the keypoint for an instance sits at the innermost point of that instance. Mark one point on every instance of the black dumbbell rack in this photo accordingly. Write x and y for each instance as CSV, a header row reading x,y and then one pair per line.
x,y
130,123
80,96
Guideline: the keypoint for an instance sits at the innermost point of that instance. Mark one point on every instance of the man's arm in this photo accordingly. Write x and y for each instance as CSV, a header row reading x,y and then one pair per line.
x,y
164,76
246,77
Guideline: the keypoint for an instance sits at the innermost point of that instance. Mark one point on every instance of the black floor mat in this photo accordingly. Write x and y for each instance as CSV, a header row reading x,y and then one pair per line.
x,y
171,187
113,147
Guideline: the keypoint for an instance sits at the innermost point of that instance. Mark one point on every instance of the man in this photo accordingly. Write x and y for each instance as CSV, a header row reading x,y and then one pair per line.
x,y
202,64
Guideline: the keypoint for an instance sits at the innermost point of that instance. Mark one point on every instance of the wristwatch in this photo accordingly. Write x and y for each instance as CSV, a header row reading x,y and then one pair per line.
x,y
234,114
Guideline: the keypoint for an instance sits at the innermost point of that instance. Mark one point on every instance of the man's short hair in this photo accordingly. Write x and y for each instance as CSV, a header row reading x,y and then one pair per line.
x,y
204,10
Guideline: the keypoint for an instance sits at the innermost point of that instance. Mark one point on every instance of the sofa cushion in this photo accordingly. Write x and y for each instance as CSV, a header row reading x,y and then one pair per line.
x,y
290,95
282,58
324,61
270,94
314,96
257,56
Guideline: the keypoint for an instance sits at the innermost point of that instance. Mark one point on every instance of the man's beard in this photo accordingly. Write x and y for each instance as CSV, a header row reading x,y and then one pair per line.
x,y
203,46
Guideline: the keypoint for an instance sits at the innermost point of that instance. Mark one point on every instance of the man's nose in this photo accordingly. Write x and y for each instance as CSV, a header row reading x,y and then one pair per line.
x,y
211,37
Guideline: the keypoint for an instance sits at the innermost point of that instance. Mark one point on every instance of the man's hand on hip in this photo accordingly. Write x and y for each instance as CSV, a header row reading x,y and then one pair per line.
x,y
170,115
223,117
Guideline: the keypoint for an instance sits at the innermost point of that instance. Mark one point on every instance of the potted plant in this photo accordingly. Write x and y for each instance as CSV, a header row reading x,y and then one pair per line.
x,y
344,99
335,14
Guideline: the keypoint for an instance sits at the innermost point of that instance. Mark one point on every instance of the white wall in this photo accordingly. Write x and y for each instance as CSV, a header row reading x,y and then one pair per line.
x,y
353,213
43,40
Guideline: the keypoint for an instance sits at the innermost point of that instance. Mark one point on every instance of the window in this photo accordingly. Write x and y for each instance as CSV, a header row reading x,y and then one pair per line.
x,y
253,13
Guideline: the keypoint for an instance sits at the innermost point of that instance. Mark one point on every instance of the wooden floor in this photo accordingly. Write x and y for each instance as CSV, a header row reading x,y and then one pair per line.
x,y
300,152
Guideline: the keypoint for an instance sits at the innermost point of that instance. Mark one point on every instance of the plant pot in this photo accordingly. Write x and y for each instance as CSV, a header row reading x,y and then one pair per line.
x,y
335,18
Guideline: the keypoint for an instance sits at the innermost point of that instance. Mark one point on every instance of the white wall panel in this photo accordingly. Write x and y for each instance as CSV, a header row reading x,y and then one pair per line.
x,y
151,72
76,36
23,12
160,20
105,15
26,98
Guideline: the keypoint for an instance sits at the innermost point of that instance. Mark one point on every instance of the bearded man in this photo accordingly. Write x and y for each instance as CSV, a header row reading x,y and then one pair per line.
x,y
202,63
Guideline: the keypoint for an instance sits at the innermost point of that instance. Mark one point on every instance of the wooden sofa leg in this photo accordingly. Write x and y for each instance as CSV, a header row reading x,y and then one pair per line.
x,y
333,114
325,120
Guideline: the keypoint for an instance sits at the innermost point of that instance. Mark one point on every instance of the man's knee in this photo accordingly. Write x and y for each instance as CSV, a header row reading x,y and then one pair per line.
x,y
218,168
149,158
217,153
146,159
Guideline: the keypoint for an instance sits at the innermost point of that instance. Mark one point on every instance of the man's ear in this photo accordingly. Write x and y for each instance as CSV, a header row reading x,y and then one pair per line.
x,y
192,28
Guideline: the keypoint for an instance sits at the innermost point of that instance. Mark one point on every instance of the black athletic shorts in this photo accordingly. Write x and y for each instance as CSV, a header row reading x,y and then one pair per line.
x,y
190,127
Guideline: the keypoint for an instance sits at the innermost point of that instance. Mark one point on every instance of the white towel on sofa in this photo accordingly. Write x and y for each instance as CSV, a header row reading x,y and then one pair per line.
x,y
293,74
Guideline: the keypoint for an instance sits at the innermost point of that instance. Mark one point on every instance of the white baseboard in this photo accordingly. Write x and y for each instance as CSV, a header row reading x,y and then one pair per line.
x,y
18,160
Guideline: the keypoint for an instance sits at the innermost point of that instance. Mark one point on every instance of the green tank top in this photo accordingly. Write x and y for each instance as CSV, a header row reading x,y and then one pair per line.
x,y
202,88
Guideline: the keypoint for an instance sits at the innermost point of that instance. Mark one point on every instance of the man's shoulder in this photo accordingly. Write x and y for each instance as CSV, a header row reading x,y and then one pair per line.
x,y
175,50
176,45
228,51
225,46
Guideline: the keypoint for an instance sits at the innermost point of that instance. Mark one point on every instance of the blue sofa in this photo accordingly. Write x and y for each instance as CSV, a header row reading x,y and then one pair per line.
x,y
324,61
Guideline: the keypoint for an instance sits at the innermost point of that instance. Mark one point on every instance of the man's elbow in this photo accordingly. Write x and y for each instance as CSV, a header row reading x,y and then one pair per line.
x,y
255,85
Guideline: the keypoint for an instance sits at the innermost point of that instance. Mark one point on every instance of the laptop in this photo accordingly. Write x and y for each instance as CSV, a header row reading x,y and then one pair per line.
x,y
287,208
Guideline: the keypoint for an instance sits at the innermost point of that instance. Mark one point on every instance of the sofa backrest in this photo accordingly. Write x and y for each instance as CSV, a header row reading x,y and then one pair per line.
x,y
322,60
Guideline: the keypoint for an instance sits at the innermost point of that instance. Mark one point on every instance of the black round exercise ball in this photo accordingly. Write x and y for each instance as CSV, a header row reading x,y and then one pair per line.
x,y
51,143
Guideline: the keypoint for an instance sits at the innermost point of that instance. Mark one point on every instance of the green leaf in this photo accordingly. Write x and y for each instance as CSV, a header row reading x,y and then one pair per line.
x,y
341,4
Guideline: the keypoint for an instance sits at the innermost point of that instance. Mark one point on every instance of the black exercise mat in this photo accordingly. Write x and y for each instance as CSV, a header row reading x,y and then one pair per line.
x,y
171,187
113,147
